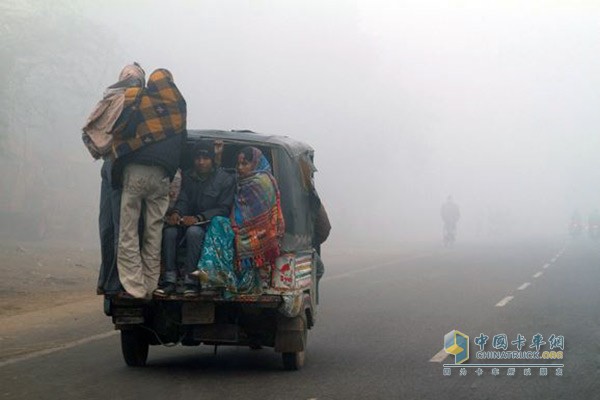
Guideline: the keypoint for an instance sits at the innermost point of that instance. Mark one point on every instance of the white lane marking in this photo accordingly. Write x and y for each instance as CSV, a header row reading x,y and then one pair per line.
x,y
524,286
546,266
376,266
504,301
58,348
440,356
553,260
537,274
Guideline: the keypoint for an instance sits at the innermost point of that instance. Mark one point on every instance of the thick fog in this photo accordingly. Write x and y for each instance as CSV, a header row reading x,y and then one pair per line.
x,y
405,102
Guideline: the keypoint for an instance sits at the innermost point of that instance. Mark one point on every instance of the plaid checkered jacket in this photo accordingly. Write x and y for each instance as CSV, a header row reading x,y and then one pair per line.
x,y
149,115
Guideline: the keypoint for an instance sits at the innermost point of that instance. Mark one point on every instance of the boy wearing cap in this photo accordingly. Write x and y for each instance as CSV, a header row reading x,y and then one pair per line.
x,y
206,192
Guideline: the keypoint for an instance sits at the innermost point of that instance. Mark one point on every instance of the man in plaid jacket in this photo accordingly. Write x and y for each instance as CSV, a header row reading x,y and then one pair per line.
x,y
147,145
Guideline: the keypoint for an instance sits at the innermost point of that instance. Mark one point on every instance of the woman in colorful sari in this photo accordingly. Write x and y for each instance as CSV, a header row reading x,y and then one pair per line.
x,y
256,218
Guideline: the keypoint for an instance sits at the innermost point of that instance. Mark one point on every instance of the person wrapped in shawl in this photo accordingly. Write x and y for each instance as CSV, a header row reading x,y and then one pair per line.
x,y
97,135
256,217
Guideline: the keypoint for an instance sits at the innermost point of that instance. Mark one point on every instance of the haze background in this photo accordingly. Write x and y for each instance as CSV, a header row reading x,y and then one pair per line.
x,y
405,102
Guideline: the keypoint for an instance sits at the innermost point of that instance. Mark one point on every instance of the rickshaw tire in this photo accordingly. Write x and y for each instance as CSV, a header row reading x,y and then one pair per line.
x,y
293,361
134,346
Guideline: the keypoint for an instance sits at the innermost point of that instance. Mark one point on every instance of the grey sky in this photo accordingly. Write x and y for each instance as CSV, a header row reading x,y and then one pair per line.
x,y
405,102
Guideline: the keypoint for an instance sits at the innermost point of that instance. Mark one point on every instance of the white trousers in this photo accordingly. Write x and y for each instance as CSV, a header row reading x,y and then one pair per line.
x,y
139,270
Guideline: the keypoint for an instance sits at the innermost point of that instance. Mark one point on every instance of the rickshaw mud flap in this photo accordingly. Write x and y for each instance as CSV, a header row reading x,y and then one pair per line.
x,y
291,334
218,333
128,315
197,313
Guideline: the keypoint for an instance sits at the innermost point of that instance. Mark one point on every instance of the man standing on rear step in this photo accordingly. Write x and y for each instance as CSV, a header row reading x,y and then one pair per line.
x,y
147,140
206,192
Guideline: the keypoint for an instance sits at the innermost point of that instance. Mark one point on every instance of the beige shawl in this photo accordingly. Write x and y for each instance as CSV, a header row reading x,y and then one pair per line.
x,y
97,131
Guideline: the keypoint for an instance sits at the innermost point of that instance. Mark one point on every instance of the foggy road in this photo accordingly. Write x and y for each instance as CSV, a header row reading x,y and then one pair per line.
x,y
406,104
381,321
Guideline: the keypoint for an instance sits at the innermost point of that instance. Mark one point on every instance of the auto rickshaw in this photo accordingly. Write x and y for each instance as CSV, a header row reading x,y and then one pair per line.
x,y
282,314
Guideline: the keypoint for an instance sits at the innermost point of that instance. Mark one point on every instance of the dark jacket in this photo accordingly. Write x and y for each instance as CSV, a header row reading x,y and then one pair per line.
x,y
210,198
450,213
322,226
165,154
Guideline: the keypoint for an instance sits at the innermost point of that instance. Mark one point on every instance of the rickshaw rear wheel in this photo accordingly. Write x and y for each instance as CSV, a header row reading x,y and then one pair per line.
x,y
134,346
293,361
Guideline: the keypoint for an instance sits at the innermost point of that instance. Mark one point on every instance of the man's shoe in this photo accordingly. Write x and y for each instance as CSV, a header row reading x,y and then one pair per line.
x,y
191,291
164,290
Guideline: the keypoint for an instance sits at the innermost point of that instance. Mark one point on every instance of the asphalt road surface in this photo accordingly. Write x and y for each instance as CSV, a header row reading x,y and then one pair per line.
x,y
379,335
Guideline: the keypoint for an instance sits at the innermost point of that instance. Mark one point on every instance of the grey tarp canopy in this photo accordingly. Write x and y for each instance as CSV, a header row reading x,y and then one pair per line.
x,y
287,155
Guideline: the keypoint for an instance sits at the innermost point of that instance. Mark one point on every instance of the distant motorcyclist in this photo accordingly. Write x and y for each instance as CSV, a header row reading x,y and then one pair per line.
x,y
594,224
450,215
576,226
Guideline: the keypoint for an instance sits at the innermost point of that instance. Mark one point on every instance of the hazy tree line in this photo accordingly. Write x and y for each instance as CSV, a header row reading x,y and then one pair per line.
x,y
54,61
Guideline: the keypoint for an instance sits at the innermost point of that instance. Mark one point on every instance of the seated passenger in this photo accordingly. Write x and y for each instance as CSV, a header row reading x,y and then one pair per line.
x,y
174,189
206,192
256,217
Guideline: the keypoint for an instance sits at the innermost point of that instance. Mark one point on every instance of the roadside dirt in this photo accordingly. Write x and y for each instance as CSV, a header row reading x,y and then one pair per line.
x,y
48,296
38,276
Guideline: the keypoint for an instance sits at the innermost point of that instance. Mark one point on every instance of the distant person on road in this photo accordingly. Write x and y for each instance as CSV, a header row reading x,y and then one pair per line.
x,y
450,215
206,192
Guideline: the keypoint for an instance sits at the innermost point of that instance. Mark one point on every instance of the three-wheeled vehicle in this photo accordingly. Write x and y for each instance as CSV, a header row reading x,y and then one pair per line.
x,y
281,315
